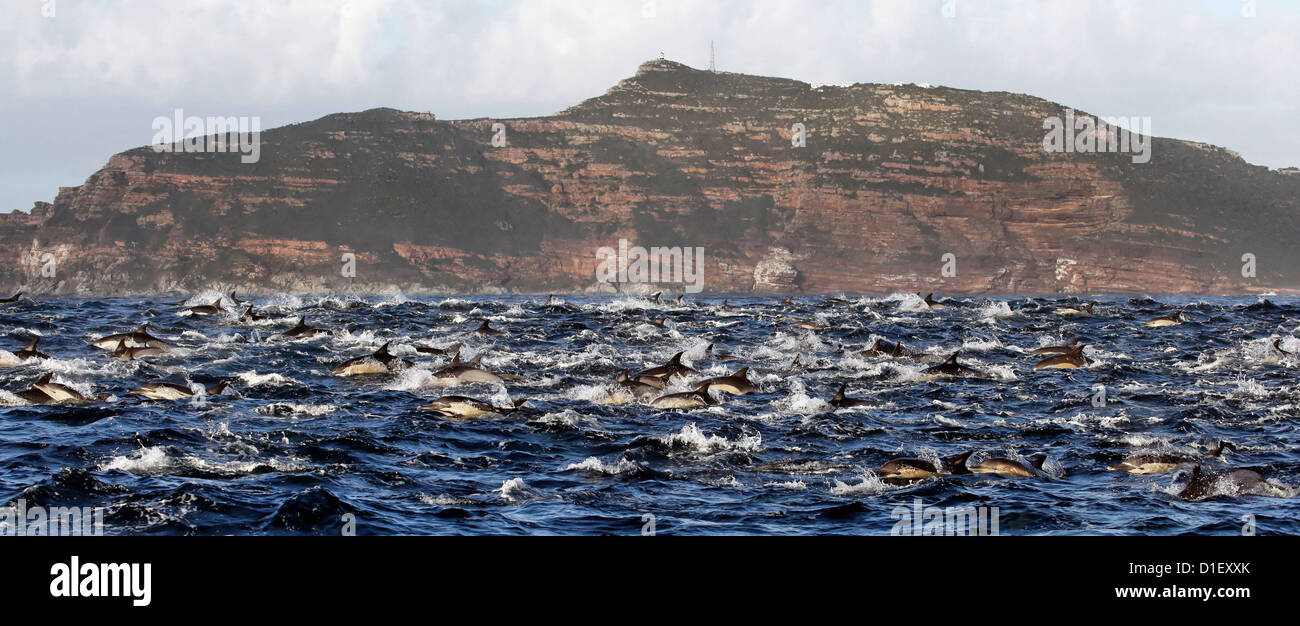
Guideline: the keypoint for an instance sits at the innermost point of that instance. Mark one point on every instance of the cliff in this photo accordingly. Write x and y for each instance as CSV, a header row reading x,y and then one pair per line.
x,y
892,178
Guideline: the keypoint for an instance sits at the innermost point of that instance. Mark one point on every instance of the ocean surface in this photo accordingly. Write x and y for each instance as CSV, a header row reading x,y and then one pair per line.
x,y
289,448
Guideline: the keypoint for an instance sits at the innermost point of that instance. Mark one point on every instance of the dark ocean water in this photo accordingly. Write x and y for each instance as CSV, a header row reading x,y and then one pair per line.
x,y
290,449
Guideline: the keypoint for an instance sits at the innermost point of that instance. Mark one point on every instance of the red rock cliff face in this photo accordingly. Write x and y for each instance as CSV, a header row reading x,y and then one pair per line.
x,y
891,179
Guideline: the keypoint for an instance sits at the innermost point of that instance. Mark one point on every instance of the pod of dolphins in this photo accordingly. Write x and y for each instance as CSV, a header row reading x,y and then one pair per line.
x,y
650,386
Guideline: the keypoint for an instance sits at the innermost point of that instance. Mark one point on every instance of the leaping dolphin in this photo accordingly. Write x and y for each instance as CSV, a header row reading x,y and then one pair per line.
x,y
912,468
1234,482
671,370
173,391
1157,463
1008,467
463,408
60,392
11,299
469,371
1173,319
695,398
1071,360
138,338
301,329
123,353
1076,310
205,309
736,383
380,362
1051,350
642,388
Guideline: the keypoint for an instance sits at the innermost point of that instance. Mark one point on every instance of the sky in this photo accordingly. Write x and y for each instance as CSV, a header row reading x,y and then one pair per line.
x,y
81,80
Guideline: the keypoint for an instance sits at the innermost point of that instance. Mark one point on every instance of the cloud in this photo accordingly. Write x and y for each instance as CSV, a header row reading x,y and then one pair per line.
x,y
88,82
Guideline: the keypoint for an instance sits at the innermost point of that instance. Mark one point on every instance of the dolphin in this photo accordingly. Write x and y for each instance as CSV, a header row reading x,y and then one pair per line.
x,y
1277,345
835,301
1065,349
671,370
841,401
60,392
736,384
679,300
123,353
235,300
1157,463
911,468
381,362
1173,319
882,349
1076,310
485,329
695,398
138,338
469,371
807,325
452,349
173,391
642,388
11,299
36,396
951,368
789,300
710,351
1070,361
1008,467
206,309
655,297
250,316
1204,484
933,304
727,307
301,329
31,352
462,408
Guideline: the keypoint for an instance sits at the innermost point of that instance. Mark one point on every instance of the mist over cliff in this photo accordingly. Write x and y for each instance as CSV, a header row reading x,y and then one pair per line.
x,y
887,181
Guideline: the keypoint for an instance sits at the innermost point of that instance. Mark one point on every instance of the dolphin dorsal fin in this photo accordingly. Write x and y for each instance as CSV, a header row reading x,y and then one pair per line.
x,y
144,328
302,323
953,359
383,350
708,350
741,373
876,346
676,360
121,346
839,395
36,340
1078,350
1038,461
45,379
477,358
724,303
455,358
